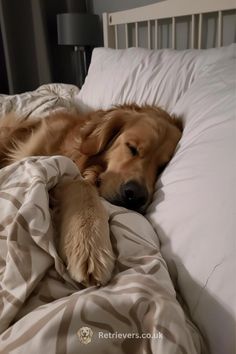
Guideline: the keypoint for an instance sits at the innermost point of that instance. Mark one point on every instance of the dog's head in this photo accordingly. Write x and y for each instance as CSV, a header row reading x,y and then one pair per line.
x,y
134,144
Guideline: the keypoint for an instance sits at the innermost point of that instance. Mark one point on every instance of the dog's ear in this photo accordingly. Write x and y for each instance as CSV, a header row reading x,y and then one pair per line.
x,y
99,131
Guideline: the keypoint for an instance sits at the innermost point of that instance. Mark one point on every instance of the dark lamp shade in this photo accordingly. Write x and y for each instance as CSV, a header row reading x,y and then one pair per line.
x,y
78,29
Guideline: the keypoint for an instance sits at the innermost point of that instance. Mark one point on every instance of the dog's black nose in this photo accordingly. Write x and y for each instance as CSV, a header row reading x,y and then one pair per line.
x,y
133,195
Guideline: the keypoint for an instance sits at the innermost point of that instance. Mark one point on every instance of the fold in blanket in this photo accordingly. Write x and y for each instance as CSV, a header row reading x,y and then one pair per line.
x,y
43,310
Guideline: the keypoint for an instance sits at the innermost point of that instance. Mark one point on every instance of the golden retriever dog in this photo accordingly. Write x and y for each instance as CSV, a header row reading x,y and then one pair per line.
x,y
119,152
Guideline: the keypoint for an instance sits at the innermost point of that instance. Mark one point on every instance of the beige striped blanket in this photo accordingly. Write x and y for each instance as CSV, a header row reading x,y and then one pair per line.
x,y
43,310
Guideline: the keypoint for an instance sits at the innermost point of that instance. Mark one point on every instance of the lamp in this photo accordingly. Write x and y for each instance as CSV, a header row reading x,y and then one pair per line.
x,y
80,30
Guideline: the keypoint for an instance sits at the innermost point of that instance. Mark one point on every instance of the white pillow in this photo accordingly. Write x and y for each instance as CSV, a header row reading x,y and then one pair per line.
x,y
156,77
194,209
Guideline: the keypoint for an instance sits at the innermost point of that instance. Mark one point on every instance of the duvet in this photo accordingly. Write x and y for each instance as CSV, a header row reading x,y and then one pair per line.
x,y
41,308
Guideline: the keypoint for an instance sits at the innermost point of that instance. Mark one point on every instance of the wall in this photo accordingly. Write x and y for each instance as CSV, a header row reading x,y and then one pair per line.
x,y
100,6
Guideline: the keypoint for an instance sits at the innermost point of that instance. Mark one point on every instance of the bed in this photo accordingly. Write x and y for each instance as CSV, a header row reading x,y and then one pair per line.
x,y
173,287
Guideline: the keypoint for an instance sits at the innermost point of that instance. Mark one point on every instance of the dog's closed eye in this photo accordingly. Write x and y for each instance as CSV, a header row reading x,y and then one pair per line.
x,y
133,149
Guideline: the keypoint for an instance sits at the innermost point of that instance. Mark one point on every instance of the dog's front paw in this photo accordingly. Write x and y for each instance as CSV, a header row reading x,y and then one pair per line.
x,y
91,263
84,237
86,248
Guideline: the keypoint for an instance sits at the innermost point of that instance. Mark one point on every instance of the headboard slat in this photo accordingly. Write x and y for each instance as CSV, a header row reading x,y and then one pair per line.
x,y
200,31
193,24
156,35
136,34
126,36
173,32
149,34
116,37
219,28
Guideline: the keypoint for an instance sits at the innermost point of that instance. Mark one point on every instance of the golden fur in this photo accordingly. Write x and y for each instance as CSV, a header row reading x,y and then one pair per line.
x,y
120,151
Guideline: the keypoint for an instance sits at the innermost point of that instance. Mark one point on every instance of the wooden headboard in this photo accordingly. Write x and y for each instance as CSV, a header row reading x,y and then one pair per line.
x,y
153,14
